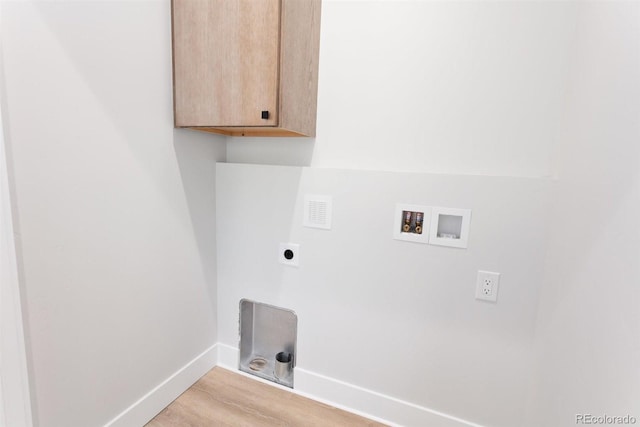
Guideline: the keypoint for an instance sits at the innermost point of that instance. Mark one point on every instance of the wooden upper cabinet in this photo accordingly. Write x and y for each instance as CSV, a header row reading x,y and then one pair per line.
x,y
246,67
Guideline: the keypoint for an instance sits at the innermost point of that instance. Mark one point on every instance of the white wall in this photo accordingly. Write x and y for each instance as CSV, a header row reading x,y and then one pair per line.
x,y
444,87
394,317
15,402
589,320
524,89
115,210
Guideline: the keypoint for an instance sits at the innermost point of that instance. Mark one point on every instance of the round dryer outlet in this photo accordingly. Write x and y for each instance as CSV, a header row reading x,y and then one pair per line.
x,y
289,254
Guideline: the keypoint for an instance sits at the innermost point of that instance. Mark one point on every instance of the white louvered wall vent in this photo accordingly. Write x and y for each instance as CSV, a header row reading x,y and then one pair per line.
x,y
317,211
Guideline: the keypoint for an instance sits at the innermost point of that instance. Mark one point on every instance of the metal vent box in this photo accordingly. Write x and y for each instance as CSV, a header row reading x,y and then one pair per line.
x,y
266,331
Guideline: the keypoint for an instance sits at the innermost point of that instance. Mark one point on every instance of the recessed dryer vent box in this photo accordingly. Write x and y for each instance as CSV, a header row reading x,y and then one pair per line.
x,y
450,227
412,223
268,336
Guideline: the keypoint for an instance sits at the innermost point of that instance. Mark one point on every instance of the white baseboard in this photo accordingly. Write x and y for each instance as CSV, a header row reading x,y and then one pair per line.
x,y
353,398
350,397
157,399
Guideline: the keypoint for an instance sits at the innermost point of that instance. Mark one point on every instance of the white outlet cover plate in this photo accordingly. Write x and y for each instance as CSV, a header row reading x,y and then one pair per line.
x,y
293,247
487,284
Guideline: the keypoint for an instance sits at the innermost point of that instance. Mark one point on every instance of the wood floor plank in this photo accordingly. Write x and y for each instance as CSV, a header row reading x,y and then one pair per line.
x,y
227,399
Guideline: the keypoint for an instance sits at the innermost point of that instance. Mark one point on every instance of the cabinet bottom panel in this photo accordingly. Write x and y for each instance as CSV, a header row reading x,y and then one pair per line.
x,y
249,131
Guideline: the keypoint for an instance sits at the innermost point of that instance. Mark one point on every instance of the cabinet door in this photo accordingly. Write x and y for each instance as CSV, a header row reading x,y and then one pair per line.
x,y
226,62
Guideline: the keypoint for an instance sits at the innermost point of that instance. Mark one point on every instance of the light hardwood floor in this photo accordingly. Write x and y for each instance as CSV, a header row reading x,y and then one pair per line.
x,y
224,398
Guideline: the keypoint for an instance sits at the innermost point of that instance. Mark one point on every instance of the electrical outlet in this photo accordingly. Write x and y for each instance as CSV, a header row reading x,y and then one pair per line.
x,y
289,254
487,286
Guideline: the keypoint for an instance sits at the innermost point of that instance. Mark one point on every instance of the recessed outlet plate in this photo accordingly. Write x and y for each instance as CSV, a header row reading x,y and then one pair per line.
x,y
487,286
289,254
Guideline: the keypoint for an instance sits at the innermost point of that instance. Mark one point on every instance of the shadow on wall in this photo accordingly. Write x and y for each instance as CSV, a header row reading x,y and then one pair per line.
x,y
271,151
197,154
